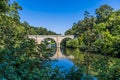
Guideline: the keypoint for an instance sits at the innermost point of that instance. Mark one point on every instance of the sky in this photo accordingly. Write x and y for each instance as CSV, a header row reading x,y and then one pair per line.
x,y
59,15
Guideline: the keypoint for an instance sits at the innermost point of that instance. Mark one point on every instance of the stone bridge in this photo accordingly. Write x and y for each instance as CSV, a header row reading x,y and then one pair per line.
x,y
56,38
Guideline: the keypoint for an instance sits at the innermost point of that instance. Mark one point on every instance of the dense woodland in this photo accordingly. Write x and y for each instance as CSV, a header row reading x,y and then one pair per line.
x,y
22,59
99,33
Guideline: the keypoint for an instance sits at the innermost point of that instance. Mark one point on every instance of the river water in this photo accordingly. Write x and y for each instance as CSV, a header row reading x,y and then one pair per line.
x,y
66,59
91,64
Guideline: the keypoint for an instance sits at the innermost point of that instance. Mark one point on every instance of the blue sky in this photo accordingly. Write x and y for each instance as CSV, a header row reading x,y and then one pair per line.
x,y
59,15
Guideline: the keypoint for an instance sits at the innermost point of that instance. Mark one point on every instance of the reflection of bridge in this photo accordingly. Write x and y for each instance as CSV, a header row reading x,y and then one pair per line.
x,y
58,55
57,39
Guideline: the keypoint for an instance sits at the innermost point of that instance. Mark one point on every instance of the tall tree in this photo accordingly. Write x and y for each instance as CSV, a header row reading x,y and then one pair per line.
x,y
103,12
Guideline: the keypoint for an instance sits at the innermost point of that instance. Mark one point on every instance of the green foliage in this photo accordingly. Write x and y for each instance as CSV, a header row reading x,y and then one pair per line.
x,y
22,59
103,13
100,34
31,30
96,65
74,74
3,6
64,42
73,43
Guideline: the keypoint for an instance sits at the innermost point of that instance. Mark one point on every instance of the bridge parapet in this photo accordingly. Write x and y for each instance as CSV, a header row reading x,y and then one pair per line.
x,y
32,36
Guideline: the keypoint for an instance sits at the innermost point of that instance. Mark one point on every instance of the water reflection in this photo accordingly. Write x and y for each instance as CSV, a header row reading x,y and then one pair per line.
x,y
96,65
59,55
64,64
69,58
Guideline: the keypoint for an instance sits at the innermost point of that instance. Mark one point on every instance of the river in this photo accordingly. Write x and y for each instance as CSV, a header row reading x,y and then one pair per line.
x,y
90,64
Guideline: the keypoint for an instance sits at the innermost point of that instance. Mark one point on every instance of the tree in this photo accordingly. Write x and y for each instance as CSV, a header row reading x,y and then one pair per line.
x,y
73,43
103,13
19,56
4,6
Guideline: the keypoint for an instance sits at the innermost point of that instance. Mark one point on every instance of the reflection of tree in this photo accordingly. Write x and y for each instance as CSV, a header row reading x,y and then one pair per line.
x,y
103,68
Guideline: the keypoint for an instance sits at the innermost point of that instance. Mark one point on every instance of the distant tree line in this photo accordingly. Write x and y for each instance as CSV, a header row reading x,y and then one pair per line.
x,y
32,30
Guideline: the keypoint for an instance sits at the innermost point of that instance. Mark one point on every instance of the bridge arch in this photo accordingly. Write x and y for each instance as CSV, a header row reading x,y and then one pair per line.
x,y
56,38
